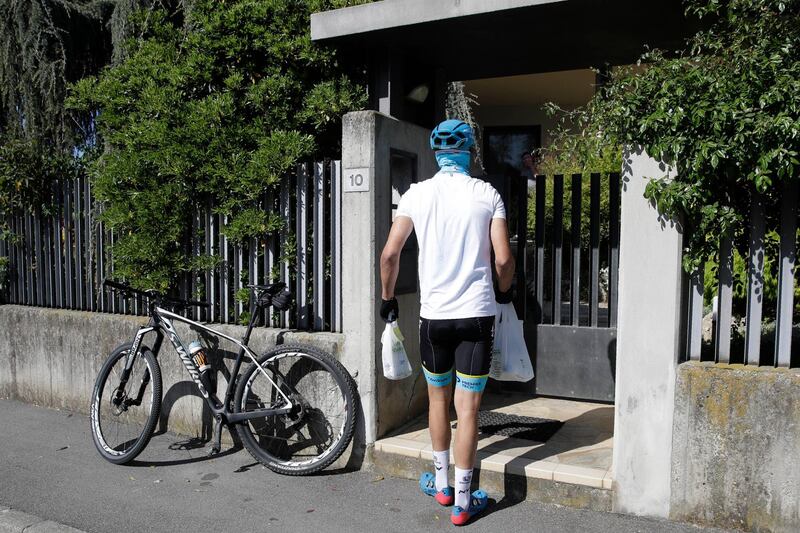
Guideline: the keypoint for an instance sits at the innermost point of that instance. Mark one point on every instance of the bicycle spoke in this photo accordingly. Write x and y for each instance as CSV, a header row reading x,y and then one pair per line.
x,y
320,412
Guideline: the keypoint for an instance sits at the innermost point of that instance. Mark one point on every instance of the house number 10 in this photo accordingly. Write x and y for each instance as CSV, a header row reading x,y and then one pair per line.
x,y
356,180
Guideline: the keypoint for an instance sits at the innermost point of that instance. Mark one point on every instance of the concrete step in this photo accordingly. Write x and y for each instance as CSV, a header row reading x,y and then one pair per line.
x,y
569,466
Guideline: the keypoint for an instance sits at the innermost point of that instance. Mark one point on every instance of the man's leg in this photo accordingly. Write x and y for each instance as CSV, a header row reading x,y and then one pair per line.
x,y
439,426
437,363
467,406
439,415
473,357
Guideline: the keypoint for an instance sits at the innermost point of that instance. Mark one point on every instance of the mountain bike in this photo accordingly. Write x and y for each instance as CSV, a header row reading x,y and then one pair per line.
x,y
294,407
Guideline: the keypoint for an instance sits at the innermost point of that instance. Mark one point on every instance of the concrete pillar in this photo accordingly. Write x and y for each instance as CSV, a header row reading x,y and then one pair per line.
x,y
369,140
648,343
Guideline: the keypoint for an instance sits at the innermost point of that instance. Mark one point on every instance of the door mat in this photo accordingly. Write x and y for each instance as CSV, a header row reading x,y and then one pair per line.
x,y
519,427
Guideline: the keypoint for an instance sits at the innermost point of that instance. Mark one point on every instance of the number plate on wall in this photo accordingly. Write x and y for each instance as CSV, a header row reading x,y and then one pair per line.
x,y
355,180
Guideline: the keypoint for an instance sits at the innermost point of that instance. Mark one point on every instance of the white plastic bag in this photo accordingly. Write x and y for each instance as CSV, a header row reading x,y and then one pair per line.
x,y
395,360
510,359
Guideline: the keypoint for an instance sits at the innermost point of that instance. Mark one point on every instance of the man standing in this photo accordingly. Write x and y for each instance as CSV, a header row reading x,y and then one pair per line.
x,y
459,221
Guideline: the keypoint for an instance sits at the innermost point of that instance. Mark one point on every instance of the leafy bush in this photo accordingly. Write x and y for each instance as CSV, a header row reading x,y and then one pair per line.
x,y
725,110
212,106
28,171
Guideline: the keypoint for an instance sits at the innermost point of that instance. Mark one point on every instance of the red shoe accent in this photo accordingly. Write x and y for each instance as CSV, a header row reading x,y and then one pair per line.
x,y
444,499
460,519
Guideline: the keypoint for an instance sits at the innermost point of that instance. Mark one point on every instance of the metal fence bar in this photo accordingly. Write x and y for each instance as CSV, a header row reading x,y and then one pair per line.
x,y
68,243
39,267
252,269
788,259
211,273
755,282
238,261
539,238
19,248
80,292
101,265
286,212
695,315
318,240
88,206
302,247
722,335
575,229
30,298
558,241
20,266
613,245
49,281
4,253
194,280
594,245
336,246
269,253
58,251
224,314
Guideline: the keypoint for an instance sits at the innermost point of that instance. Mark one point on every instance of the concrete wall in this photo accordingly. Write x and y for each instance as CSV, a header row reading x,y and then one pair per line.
x,y
735,460
647,343
367,140
51,358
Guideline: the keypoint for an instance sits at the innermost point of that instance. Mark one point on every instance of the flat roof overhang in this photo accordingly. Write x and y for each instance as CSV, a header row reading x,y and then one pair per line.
x,y
472,39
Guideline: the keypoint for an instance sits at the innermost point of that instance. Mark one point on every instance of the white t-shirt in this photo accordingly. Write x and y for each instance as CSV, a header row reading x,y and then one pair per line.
x,y
452,215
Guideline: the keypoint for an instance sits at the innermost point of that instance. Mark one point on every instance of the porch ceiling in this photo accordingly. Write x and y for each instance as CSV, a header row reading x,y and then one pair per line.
x,y
473,39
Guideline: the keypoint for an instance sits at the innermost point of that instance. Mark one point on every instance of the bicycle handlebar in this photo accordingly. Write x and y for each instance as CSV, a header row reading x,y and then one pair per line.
x,y
154,295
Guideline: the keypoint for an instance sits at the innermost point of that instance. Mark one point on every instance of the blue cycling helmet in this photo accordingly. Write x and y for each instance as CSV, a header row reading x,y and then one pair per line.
x,y
452,135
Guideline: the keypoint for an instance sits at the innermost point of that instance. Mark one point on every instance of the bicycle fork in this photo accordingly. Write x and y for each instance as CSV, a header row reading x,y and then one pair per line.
x,y
119,400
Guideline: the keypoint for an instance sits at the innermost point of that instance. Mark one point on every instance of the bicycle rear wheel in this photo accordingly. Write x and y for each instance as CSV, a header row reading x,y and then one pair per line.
x,y
123,417
319,428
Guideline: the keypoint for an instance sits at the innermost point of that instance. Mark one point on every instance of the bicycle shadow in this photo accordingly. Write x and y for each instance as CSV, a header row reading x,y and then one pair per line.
x,y
177,391
222,362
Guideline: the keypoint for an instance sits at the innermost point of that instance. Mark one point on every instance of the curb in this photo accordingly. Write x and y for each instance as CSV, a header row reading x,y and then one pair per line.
x,y
13,521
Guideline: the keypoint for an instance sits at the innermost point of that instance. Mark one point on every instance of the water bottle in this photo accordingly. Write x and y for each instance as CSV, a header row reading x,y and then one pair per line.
x,y
198,354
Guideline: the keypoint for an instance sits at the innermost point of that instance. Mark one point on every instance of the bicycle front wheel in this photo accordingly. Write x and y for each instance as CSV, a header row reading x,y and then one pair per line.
x,y
124,414
321,424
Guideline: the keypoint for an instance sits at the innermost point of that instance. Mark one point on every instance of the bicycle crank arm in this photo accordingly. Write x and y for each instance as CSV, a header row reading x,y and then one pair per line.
x,y
261,413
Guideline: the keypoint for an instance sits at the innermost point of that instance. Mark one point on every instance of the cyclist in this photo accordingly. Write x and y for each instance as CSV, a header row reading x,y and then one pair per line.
x,y
458,221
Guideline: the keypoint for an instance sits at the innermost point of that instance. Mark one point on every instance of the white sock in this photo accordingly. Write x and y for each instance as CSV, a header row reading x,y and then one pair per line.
x,y
441,464
463,481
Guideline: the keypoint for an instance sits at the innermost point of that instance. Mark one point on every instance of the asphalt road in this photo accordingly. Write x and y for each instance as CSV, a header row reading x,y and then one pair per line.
x,y
49,468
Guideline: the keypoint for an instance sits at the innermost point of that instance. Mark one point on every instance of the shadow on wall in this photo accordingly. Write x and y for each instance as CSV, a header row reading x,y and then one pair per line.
x,y
222,362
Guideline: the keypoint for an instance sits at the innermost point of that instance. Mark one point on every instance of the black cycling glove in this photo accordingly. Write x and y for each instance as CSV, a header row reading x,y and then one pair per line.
x,y
389,310
503,297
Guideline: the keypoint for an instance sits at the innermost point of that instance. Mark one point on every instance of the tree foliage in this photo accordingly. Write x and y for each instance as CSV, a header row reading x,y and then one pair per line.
x,y
212,105
725,111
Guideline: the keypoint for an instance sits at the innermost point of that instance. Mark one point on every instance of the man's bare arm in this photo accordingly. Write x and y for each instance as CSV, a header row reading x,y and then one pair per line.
x,y
503,260
390,257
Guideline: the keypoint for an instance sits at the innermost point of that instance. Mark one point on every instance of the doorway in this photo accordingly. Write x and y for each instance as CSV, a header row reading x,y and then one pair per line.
x,y
564,234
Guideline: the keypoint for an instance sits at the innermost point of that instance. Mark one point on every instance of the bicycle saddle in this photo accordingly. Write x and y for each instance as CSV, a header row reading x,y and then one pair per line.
x,y
272,288
274,294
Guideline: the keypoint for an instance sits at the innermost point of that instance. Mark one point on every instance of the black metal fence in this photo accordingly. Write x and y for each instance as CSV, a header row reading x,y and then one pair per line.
x,y
570,260
730,335
60,260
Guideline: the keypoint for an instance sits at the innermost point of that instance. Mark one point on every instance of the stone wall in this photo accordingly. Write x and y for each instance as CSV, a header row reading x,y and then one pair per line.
x,y
736,447
51,357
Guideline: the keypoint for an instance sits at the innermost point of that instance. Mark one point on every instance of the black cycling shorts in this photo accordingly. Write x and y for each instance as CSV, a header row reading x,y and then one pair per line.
x,y
462,343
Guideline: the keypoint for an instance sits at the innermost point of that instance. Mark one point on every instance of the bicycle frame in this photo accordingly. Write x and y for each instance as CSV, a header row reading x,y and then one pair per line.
x,y
161,322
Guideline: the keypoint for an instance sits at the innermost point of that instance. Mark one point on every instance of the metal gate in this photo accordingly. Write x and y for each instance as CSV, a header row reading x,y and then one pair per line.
x,y
566,243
